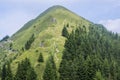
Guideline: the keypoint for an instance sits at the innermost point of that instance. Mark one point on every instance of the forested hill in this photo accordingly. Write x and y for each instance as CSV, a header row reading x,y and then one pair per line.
x,y
93,55
60,45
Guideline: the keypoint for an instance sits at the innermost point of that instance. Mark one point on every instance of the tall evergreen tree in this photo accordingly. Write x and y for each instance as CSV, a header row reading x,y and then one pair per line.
x,y
65,32
106,69
50,72
31,75
25,71
29,42
40,58
90,70
4,72
9,72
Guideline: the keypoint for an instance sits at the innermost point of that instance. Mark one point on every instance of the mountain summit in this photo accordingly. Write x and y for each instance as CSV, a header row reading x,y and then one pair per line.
x,y
53,18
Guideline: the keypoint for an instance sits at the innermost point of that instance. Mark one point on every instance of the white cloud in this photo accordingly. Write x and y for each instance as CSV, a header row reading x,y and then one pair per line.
x,y
112,24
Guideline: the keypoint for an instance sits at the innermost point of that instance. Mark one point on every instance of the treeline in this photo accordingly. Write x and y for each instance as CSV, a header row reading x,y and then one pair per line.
x,y
29,42
90,55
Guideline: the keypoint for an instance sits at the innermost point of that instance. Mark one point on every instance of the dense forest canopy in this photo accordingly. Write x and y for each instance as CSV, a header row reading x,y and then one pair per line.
x,y
91,55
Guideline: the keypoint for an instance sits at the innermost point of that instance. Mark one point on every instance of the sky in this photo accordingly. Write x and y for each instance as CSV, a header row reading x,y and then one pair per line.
x,y
15,13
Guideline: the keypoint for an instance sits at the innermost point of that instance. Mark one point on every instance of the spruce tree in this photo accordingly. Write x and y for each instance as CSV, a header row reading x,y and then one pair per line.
x,y
18,72
4,72
65,32
81,71
9,72
31,75
40,58
90,70
50,72
29,42
25,71
106,69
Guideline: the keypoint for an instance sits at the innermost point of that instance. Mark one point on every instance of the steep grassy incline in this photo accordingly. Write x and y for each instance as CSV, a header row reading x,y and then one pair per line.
x,y
47,29
55,16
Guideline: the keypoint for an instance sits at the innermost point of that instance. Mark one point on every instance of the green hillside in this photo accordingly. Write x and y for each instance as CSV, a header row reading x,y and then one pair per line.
x,y
47,28
55,17
48,40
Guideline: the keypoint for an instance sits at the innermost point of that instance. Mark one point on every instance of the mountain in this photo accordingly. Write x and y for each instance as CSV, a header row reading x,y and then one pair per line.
x,y
54,17
43,35
47,28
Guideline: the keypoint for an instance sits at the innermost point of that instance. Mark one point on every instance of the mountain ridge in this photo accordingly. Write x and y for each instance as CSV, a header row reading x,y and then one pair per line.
x,y
45,20
55,7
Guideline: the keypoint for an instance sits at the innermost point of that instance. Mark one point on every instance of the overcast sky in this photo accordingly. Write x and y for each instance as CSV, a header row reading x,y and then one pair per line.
x,y
15,13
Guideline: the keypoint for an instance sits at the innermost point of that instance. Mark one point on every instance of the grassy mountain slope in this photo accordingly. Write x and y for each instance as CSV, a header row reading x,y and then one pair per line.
x,y
55,16
47,28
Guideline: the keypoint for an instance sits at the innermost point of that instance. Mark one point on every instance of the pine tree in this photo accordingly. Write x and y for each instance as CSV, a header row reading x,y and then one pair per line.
x,y
50,72
65,32
106,68
81,68
8,72
18,73
4,72
25,71
40,58
21,71
68,66
11,45
31,75
90,70
29,42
